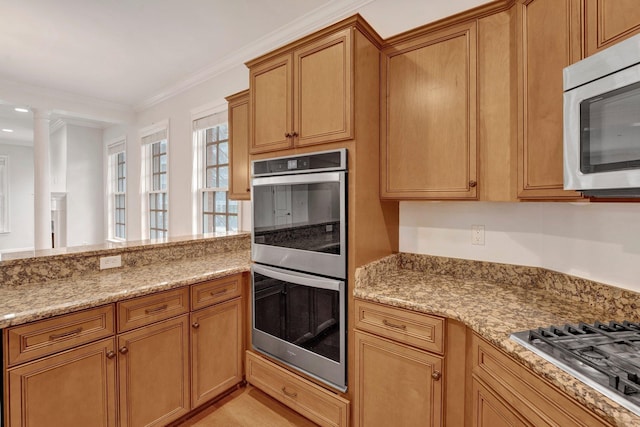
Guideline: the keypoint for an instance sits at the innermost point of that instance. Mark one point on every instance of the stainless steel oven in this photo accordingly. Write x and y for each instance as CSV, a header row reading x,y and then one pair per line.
x,y
299,249
300,320
299,212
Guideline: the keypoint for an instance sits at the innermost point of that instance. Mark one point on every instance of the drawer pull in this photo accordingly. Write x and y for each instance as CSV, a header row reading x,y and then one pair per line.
x,y
289,394
393,325
436,375
65,334
155,310
218,293
111,354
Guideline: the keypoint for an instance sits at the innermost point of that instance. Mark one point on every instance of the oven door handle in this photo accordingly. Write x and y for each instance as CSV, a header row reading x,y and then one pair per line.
x,y
298,278
309,178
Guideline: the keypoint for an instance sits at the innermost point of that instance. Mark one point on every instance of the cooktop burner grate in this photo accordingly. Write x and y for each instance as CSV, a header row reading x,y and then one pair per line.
x,y
605,356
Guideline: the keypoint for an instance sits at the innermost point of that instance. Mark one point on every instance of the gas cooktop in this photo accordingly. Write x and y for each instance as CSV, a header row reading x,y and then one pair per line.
x,y
605,356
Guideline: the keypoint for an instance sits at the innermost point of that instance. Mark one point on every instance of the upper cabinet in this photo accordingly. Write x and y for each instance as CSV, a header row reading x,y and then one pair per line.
x,y
548,39
239,188
429,115
608,22
302,95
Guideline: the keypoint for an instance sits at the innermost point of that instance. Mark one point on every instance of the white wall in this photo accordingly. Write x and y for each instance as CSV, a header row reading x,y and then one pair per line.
x,y
58,160
20,198
597,241
85,189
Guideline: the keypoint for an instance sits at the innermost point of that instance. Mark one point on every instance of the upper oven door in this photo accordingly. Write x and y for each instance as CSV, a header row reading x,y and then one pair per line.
x,y
602,133
299,222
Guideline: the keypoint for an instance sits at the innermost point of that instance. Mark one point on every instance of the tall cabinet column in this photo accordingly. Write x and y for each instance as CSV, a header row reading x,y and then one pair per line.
x,y
42,180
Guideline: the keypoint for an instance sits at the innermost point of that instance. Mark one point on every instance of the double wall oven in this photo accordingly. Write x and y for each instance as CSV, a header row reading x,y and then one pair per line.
x,y
299,249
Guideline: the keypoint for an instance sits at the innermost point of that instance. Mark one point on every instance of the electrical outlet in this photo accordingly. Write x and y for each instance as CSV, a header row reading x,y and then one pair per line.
x,y
110,262
477,235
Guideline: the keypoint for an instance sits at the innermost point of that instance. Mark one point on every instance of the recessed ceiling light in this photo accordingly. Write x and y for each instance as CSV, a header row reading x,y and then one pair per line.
x,y
21,110
7,130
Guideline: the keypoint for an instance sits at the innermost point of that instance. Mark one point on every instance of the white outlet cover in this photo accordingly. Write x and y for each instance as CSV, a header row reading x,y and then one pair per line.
x,y
110,262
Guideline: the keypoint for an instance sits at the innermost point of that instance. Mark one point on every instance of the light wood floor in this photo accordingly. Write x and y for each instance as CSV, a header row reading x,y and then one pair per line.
x,y
247,407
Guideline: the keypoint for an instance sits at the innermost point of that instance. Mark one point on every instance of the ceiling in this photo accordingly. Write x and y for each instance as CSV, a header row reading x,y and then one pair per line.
x,y
125,53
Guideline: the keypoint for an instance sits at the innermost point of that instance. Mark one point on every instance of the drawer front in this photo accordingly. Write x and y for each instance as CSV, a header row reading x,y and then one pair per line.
x,y
537,401
215,291
44,337
416,329
142,311
319,405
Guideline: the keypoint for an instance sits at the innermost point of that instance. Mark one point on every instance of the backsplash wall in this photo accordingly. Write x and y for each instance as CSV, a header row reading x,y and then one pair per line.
x,y
596,241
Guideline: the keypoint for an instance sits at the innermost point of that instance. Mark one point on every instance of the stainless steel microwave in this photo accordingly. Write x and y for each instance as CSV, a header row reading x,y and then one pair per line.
x,y
602,122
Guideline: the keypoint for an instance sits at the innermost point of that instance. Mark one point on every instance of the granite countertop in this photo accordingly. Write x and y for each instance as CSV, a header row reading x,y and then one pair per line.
x,y
493,304
34,301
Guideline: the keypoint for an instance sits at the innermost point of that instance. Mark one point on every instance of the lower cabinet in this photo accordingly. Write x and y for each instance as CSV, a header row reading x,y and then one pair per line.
x,y
505,393
153,367
216,350
396,385
72,388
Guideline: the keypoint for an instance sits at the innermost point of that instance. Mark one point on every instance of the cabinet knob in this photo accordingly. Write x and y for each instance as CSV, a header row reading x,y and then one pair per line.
x,y
111,354
196,325
287,135
294,134
472,183
248,190
436,375
123,350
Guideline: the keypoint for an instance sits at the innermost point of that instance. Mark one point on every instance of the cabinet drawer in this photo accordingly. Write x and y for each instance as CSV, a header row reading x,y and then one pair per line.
x,y
412,328
537,401
152,308
214,291
37,339
319,405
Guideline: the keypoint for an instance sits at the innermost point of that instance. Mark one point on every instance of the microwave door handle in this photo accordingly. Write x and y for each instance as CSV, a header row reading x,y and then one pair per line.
x,y
298,278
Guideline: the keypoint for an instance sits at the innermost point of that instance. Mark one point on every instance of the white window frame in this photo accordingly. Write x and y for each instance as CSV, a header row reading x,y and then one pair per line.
x,y
5,223
150,135
203,120
113,151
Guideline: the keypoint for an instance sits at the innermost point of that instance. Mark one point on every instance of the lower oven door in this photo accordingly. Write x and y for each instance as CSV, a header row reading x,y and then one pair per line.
x,y
300,320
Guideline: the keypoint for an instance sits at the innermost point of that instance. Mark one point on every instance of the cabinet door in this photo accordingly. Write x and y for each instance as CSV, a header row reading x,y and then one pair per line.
x,y
239,188
153,368
490,411
396,385
610,21
270,112
322,90
549,40
216,350
429,141
74,388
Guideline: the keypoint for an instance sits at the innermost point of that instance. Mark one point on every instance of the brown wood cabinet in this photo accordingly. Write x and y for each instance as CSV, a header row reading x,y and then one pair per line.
x,y
239,167
153,367
73,388
429,115
609,21
396,384
302,95
491,411
548,39
507,393
216,350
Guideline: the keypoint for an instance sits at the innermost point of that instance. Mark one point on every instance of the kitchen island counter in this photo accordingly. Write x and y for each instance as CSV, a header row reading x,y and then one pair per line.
x,y
26,302
495,300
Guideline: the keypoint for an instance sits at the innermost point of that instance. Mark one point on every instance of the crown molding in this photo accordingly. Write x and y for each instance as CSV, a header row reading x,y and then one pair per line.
x,y
53,127
314,20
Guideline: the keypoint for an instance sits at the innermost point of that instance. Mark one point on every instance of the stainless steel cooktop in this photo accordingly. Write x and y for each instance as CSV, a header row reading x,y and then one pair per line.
x,y
605,356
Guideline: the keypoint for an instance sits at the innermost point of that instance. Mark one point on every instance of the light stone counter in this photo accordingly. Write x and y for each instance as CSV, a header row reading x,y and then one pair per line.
x,y
495,300
27,293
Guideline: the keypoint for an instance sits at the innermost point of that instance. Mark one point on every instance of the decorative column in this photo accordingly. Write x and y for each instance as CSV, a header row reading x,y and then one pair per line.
x,y
42,179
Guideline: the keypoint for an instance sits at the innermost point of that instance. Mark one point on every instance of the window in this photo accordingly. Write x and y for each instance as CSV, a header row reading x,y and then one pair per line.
x,y
4,194
117,178
217,213
155,197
